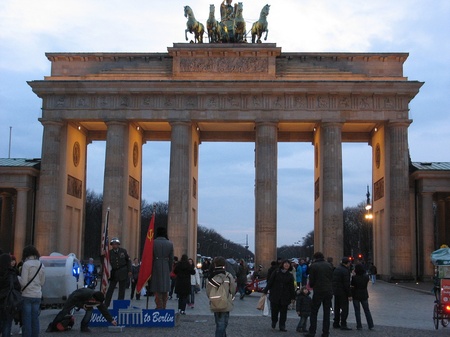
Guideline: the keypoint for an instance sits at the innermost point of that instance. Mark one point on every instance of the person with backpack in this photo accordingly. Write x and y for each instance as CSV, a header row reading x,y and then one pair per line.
x,y
8,280
83,298
220,289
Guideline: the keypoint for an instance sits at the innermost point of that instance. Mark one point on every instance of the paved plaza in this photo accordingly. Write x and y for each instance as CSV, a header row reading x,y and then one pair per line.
x,y
397,310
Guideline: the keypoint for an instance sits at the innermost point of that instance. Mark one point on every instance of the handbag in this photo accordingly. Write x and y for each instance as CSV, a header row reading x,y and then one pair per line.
x,y
13,301
266,309
261,302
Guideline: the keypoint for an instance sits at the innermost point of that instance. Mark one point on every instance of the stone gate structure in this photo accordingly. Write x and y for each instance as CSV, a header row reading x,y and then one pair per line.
x,y
196,93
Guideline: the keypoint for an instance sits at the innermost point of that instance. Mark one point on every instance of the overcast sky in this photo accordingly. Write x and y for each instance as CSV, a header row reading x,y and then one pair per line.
x,y
30,28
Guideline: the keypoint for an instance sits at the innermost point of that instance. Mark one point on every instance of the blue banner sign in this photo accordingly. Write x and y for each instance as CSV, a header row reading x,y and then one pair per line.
x,y
130,316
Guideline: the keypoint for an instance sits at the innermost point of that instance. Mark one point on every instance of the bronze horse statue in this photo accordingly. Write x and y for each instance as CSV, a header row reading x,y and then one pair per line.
x,y
193,26
260,26
213,26
239,24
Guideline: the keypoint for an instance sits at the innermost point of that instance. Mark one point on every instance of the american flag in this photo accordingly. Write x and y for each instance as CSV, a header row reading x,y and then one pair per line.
x,y
106,263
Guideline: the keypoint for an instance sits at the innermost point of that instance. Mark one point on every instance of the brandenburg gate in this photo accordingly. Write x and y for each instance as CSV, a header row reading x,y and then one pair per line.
x,y
233,92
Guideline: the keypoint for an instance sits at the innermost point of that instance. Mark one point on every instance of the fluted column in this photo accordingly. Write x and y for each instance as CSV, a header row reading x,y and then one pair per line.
x,y
49,193
115,185
179,182
400,226
266,192
20,228
332,194
6,223
427,223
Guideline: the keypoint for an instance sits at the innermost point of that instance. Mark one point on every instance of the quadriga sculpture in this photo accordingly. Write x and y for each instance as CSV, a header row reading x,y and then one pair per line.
x,y
260,26
193,26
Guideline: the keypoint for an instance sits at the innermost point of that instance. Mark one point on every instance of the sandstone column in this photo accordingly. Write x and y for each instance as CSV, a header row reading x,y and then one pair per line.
x,y
6,235
50,182
427,224
179,187
266,193
332,194
115,185
398,187
20,229
441,222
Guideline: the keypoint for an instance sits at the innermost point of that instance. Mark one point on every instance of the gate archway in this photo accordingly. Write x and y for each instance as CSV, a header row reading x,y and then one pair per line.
x,y
233,92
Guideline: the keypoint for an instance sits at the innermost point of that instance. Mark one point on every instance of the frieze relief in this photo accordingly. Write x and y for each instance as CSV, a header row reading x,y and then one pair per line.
x,y
224,65
229,101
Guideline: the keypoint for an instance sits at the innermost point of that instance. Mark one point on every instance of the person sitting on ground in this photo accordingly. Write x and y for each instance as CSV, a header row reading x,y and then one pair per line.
x,y
83,298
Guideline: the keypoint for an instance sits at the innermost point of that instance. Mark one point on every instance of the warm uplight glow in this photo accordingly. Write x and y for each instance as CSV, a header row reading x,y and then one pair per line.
x,y
369,216
369,206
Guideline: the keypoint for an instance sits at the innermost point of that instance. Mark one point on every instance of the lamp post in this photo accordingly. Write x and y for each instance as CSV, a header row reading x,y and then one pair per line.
x,y
369,217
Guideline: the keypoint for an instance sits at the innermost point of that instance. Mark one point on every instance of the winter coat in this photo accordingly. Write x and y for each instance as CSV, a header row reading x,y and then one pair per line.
x,y
281,286
120,264
320,276
162,264
242,275
195,279
5,287
29,269
183,270
359,287
303,304
341,281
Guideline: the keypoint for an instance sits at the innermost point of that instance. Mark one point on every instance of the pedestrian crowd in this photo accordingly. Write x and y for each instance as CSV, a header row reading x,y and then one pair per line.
x,y
289,286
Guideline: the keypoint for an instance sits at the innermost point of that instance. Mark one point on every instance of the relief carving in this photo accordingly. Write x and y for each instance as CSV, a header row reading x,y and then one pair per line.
x,y
133,187
74,187
212,102
300,102
365,102
225,65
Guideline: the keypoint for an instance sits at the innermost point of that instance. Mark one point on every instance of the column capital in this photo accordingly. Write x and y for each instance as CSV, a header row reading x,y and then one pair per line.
x,y
399,123
54,122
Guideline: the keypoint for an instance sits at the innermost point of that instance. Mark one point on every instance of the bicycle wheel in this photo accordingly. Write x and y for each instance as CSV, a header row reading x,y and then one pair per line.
x,y
444,320
436,316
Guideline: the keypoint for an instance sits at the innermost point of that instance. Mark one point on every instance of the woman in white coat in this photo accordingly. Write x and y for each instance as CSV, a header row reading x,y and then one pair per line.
x,y
195,284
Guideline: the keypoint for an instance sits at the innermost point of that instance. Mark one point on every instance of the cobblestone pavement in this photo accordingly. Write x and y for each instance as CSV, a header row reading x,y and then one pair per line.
x,y
397,309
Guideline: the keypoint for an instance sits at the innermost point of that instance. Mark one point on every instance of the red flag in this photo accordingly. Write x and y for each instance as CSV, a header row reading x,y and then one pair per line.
x,y
106,263
145,272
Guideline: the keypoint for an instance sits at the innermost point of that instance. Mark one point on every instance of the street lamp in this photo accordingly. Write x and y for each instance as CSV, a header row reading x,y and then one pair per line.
x,y
369,215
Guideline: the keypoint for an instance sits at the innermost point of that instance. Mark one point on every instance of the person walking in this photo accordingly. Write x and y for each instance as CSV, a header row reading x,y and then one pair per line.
x,y
218,276
195,284
241,279
120,270
320,280
8,281
282,293
303,308
205,272
173,277
31,279
342,294
135,267
83,298
183,271
162,265
373,273
360,296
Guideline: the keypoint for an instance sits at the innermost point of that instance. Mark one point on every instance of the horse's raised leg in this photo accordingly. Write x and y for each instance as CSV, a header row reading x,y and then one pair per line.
x,y
185,34
267,32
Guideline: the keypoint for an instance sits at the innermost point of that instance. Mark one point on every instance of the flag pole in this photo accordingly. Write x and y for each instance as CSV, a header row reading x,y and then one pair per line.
x,y
106,263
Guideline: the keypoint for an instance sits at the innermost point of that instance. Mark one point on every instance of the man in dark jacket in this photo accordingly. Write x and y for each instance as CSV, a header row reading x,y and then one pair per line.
x,y
342,294
320,276
83,298
162,265
120,270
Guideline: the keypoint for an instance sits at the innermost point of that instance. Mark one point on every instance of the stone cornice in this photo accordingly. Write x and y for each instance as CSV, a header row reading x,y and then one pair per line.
x,y
244,101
